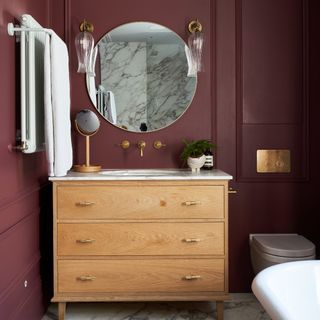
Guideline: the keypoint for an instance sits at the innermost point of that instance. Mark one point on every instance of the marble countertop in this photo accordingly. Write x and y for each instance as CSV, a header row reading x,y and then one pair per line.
x,y
145,174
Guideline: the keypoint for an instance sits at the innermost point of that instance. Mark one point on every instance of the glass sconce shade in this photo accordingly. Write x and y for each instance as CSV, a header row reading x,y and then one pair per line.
x,y
195,43
84,43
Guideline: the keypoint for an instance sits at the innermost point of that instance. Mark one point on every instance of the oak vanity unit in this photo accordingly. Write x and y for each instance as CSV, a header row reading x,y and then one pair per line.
x,y
141,237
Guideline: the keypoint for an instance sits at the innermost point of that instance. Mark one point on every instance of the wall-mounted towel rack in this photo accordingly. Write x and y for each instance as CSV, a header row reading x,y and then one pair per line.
x,y
32,38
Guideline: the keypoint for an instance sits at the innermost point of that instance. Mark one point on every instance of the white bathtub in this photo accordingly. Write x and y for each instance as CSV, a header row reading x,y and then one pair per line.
x,y
290,291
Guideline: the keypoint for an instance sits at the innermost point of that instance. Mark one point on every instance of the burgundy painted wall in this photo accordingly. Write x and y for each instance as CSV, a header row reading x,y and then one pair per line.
x,y
22,180
230,107
271,204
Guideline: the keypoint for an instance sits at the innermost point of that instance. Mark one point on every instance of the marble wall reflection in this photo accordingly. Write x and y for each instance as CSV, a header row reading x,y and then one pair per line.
x,y
168,84
149,82
123,66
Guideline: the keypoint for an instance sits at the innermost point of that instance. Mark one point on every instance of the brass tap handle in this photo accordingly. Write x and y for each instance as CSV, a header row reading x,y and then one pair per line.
x,y
125,144
85,240
84,204
190,203
86,278
158,144
141,145
190,240
191,277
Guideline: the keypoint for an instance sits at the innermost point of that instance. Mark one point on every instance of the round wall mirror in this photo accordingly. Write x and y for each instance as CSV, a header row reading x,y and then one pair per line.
x,y
143,78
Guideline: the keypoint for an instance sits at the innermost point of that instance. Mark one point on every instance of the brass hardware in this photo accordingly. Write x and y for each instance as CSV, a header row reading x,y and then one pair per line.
x,y
191,203
85,240
158,144
84,204
141,145
86,26
190,240
86,278
276,161
194,26
125,144
22,146
191,277
232,191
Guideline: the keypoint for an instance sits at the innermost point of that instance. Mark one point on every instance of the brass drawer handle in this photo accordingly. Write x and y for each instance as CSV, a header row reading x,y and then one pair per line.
x,y
85,240
84,204
86,278
189,240
191,277
232,191
191,203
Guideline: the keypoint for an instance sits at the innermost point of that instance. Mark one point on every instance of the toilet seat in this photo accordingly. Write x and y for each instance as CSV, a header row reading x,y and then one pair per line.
x,y
283,245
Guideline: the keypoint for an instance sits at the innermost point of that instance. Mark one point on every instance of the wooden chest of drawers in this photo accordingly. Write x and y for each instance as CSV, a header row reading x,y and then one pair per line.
x,y
140,241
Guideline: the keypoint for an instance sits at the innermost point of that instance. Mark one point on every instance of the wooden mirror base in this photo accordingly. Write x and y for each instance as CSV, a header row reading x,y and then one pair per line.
x,y
84,168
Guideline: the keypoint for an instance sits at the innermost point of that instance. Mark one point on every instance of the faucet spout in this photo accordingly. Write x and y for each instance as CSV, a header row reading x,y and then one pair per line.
x,y
141,145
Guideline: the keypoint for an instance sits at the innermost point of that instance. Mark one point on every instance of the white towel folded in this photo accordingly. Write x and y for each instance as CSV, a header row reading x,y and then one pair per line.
x,y
57,106
56,101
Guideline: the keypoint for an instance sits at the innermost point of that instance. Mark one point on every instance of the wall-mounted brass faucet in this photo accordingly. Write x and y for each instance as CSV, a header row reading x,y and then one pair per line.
x,y
158,144
125,144
141,145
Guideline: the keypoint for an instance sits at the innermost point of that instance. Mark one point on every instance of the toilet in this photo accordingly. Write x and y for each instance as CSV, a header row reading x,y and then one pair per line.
x,y
270,249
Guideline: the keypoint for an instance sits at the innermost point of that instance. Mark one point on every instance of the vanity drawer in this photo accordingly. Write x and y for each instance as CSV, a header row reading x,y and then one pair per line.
x,y
128,276
140,239
140,202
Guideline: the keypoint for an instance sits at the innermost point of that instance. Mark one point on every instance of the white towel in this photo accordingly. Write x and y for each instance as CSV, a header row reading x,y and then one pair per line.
x,y
57,106
48,121
56,100
111,107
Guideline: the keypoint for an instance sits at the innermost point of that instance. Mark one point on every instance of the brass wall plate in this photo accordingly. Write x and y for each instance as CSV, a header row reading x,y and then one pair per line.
x,y
277,161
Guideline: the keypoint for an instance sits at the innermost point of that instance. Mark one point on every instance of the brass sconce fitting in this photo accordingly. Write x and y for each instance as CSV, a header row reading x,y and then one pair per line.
x,y
158,144
86,26
141,145
125,144
194,26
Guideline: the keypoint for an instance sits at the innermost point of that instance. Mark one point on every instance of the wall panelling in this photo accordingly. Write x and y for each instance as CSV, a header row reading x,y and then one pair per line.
x,y
22,180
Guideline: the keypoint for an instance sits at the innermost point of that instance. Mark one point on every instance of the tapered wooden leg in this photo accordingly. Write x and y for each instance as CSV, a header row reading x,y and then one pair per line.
x,y
220,307
62,310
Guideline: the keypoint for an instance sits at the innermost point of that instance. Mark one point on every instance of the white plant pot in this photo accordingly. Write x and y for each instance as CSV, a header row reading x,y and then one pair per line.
x,y
196,163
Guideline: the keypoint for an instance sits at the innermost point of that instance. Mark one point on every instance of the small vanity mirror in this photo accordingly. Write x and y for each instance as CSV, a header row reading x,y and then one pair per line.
x,y
87,124
143,77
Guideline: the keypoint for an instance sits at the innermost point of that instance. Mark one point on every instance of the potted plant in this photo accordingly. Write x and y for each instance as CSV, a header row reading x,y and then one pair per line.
x,y
193,153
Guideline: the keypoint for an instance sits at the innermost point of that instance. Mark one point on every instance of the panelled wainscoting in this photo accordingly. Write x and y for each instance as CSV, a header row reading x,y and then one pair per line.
x,y
21,291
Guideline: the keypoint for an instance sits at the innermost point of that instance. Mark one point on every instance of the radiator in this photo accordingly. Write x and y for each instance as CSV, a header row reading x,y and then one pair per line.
x,y
31,36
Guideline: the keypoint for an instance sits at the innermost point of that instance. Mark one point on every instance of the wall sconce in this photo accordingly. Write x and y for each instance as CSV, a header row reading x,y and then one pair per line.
x,y
84,43
195,43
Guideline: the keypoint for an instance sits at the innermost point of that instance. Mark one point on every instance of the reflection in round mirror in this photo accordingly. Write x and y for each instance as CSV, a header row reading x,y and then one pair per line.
x,y
87,122
143,78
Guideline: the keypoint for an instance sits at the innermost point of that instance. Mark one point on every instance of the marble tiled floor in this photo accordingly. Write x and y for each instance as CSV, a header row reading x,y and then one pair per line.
x,y
242,306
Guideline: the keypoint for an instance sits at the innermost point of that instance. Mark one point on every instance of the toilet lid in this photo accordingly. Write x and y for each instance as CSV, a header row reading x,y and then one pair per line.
x,y
284,245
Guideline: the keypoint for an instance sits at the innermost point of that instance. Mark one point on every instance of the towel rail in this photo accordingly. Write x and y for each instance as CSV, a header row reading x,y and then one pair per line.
x,y
31,78
13,29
